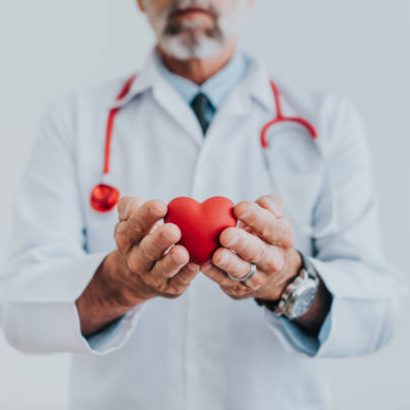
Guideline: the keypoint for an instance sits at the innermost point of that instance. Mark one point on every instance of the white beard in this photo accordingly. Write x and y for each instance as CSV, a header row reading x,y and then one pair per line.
x,y
190,43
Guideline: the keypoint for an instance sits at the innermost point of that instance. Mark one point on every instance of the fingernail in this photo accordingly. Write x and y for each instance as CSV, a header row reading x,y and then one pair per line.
x,y
178,258
246,213
158,207
224,258
231,241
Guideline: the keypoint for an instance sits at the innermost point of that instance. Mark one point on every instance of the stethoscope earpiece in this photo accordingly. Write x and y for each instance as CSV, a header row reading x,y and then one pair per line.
x,y
104,198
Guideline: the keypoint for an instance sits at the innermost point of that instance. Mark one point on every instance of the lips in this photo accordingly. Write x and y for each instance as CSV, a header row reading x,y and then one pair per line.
x,y
190,11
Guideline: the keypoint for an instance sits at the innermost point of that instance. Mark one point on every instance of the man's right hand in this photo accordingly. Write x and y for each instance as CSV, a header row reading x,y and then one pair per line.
x,y
147,263
156,265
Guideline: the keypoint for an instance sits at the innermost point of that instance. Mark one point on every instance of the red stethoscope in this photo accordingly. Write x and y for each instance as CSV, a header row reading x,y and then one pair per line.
x,y
105,197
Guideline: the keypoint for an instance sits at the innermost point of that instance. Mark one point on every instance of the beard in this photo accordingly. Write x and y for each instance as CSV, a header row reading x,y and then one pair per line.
x,y
195,39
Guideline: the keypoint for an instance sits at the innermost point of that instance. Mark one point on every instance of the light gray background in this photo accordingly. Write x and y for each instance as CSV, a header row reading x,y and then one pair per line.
x,y
355,48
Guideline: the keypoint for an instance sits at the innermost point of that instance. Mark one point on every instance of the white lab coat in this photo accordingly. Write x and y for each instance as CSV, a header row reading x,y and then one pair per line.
x,y
203,350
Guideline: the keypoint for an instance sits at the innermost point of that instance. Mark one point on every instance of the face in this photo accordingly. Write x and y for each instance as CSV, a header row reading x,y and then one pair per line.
x,y
199,29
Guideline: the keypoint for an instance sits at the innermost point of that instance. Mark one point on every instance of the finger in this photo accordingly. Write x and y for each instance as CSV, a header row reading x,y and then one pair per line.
x,y
244,226
183,279
153,246
276,231
171,263
272,203
234,289
136,220
218,276
127,204
237,267
253,249
237,293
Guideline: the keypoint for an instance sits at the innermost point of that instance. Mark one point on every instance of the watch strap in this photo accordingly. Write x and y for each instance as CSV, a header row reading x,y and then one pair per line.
x,y
307,266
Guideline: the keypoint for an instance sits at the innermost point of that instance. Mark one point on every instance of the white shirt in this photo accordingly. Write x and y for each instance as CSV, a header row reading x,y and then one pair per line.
x,y
202,350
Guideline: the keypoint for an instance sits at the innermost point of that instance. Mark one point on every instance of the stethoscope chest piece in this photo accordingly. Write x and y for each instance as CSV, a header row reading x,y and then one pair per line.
x,y
104,198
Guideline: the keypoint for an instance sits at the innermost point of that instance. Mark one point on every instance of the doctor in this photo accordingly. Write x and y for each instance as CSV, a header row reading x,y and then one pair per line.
x,y
110,284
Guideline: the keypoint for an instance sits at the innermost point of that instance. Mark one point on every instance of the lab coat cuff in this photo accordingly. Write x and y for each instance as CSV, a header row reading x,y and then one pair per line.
x,y
116,335
348,331
295,339
40,314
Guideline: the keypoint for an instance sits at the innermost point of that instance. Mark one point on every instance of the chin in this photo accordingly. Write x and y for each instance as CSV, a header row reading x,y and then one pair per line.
x,y
187,48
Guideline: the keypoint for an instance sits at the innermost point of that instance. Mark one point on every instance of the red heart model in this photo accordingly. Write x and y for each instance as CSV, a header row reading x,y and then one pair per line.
x,y
201,224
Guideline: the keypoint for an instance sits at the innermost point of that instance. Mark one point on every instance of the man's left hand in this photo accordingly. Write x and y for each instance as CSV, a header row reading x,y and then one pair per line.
x,y
264,237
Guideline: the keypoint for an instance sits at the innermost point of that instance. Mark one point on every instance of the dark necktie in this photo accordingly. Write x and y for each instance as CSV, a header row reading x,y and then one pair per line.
x,y
203,109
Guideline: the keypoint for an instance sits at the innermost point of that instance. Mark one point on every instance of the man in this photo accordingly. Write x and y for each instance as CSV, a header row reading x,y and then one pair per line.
x,y
150,329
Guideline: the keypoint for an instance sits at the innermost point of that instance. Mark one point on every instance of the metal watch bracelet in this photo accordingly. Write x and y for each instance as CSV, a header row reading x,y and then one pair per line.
x,y
306,281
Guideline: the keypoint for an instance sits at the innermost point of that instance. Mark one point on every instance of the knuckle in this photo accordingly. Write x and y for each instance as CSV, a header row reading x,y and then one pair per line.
x,y
237,288
268,231
276,262
257,282
133,263
147,250
228,290
174,292
260,254
154,283
138,229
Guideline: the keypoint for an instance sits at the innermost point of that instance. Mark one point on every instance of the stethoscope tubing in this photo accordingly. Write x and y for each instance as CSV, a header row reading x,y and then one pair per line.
x,y
104,197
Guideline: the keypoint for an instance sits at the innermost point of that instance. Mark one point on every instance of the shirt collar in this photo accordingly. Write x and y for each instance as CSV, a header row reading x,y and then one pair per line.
x,y
216,87
255,84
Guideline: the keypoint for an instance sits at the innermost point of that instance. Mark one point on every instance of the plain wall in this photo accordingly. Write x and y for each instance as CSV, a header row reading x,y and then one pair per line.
x,y
357,49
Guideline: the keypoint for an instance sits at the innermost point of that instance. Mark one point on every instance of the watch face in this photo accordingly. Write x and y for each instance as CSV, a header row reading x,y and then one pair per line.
x,y
303,302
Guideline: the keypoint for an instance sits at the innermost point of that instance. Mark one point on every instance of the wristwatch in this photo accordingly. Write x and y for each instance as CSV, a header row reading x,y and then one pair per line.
x,y
298,296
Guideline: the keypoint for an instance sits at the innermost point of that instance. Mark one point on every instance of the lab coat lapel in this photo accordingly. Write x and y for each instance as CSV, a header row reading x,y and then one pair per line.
x,y
173,103
151,79
255,86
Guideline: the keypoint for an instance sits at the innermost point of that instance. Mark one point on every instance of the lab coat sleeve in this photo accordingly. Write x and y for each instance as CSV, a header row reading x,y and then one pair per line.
x,y
47,266
365,288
